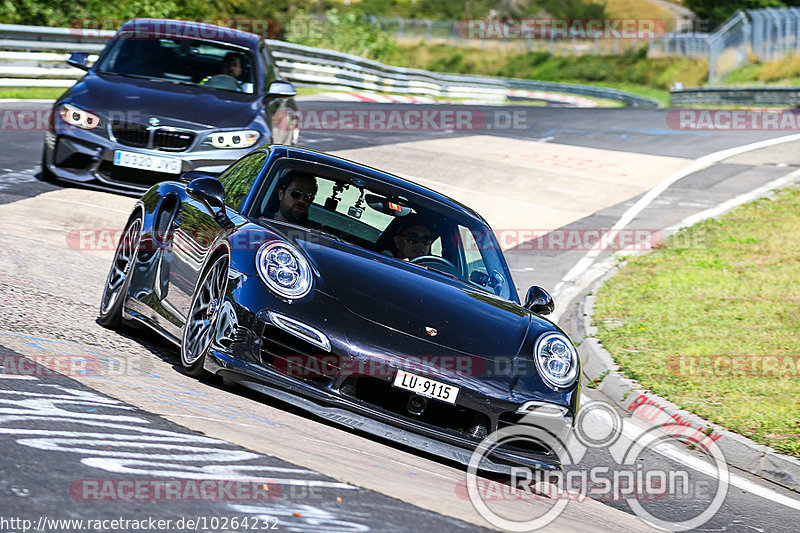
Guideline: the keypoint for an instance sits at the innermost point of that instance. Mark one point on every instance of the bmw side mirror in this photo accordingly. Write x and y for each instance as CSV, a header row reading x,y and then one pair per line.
x,y
281,89
79,60
210,192
539,301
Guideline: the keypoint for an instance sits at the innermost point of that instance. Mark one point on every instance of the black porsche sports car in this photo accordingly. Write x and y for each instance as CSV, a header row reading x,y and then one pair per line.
x,y
165,97
352,293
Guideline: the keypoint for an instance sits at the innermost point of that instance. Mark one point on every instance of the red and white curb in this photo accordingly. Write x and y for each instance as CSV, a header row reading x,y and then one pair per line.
x,y
574,101
380,98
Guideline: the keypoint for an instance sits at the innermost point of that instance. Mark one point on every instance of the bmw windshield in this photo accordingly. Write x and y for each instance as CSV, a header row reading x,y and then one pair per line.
x,y
178,60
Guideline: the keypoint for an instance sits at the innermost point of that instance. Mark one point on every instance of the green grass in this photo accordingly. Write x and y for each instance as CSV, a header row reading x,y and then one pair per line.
x,y
726,287
634,69
42,93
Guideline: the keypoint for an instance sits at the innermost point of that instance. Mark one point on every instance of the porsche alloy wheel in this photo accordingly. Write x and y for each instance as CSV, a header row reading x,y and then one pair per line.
x,y
199,330
119,275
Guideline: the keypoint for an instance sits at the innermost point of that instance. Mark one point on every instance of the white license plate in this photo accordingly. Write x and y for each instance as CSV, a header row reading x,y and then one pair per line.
x,y
426,386
155,163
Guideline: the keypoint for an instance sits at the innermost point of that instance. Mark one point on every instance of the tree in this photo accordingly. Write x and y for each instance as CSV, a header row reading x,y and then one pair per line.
x,y
717,11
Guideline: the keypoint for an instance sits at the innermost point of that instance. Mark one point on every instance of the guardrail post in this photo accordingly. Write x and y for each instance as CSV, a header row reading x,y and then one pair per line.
x,y
712,59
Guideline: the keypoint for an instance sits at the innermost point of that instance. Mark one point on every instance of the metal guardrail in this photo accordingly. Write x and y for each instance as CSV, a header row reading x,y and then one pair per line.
x,y
32,56
720,96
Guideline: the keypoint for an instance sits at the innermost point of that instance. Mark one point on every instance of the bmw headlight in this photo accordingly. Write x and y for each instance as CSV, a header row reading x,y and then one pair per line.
x,y
556,360
75,116
284,269
234,139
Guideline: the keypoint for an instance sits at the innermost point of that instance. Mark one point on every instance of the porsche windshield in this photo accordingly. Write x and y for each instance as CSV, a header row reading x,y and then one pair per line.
x,y
386,220
179,60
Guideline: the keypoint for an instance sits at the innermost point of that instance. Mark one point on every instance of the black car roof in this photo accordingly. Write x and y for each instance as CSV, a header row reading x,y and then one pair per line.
x,y
380,175
191,30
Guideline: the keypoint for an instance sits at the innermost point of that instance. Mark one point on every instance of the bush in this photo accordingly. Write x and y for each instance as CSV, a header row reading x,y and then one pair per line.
x,y
345,33
62,13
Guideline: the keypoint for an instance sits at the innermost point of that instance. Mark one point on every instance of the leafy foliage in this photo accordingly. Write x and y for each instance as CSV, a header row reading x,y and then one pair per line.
x,y
465,9
716,11
345,33
634,67
72,13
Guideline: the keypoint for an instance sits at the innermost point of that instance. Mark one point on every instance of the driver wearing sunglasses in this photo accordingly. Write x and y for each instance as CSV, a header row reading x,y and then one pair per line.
x,y
295,198
413,241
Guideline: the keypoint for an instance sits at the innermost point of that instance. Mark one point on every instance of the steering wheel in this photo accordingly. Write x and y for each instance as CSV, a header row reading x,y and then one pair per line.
x,y
223,81
434,261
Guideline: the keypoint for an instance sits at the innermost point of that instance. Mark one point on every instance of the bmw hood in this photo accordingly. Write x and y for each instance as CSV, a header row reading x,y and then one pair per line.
x,y
136,100
407,298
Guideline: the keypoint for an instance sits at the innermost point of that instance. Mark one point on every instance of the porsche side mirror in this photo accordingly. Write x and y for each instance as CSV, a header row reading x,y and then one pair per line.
x,y
79,60
191,175
210,192
539,301
281,89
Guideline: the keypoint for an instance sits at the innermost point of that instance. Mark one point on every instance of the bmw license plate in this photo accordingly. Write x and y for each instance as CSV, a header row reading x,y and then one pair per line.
x,y
171,165
426,386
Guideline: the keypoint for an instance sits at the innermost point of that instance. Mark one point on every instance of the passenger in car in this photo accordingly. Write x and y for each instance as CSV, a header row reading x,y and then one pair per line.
x,y
413,238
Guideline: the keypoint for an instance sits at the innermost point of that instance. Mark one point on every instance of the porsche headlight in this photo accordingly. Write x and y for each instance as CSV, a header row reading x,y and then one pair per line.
x,y
556,359
234,139
75,116
284,269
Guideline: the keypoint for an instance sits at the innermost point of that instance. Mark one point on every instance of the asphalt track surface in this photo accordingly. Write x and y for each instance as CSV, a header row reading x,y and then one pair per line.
x,y
58,432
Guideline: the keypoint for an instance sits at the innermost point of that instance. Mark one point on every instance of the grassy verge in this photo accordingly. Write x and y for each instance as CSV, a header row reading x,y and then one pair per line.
x,y
40,93
727,287
632,68
782,71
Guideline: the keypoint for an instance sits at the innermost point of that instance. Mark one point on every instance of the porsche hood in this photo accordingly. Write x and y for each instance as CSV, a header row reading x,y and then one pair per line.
x,y
412,300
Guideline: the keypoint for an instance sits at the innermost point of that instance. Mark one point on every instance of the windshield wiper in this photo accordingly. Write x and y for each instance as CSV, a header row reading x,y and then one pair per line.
x,y
326,234
442,272
148,78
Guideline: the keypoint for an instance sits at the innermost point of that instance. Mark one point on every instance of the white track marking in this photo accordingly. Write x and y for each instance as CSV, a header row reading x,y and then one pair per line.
x,y
635,433
88,205
576,274
16,177
734,202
